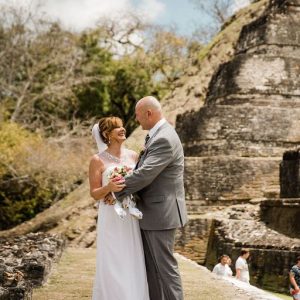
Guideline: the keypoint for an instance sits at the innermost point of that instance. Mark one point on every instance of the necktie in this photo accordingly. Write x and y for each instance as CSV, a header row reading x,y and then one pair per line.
x,y
142,152
147,138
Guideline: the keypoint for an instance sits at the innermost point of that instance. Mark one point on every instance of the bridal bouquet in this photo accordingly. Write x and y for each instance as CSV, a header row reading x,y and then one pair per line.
x,y
119,173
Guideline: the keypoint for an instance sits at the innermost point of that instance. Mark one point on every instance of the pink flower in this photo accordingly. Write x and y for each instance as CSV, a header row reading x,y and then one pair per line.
x,y
119,173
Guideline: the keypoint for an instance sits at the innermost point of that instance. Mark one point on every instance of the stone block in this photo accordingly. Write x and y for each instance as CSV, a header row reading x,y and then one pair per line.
x,y
239,130
272,29
26,261
228,179
290,174
256,74
192,240
282,215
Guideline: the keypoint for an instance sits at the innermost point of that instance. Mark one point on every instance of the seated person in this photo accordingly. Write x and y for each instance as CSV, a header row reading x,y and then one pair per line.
x,y
222,268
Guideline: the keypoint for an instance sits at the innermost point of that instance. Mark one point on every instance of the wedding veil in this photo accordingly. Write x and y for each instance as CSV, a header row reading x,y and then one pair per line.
x,y
96,134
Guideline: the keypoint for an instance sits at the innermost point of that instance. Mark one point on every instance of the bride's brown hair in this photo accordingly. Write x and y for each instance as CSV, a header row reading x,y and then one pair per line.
x,y
107,125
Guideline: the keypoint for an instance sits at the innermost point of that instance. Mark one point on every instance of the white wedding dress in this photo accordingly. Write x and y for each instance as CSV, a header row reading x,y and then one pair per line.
x,y
120,263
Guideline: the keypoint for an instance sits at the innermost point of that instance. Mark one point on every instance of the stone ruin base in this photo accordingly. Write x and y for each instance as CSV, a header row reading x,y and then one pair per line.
x,y
272,253
26,261
282,215
226,229
192,240
290,174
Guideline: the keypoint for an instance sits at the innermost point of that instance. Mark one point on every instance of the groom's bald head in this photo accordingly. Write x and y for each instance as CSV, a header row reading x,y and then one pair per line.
x,y
149,102
148,112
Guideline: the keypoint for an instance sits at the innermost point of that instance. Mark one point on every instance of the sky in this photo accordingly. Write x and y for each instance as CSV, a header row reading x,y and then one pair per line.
x,y
81,14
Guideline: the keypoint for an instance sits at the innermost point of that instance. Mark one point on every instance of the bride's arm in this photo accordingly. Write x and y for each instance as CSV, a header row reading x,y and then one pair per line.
x,y
97,191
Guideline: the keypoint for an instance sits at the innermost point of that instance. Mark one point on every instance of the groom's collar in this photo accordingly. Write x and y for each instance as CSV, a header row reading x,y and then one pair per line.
x,y
156,127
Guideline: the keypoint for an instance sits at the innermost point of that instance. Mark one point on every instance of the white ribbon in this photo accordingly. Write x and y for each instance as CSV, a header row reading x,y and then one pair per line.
x,y
100,143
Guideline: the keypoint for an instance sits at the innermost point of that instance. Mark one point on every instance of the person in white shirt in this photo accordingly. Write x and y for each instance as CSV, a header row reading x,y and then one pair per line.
x,y
222,268
241,266
229,261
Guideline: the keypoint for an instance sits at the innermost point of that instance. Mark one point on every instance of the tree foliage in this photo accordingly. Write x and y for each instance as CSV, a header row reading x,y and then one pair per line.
x,y
53,78
38,63
54,83
35,172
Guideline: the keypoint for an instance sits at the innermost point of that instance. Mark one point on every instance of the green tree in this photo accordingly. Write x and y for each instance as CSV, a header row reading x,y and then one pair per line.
x,y
93,98
119,81
132,80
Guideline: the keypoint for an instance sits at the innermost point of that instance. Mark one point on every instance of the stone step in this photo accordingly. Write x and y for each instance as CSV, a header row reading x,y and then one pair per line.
x,y
241,130
228,178
261,31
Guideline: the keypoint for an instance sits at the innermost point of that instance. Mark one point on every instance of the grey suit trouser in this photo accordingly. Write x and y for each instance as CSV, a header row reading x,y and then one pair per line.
x,y
162,269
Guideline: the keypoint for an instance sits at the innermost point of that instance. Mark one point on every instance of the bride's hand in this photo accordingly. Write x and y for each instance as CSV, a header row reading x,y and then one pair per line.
x,y
109,199
116,184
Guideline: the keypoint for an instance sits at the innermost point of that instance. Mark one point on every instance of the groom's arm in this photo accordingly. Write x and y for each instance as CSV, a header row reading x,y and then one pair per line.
x,y
158,157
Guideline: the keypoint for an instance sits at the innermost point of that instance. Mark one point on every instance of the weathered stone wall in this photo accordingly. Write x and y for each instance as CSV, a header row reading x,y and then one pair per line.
x,y
251,114
273,31
228,179
192,240
242,131
25,262
272,232
272,254
290,175
282,215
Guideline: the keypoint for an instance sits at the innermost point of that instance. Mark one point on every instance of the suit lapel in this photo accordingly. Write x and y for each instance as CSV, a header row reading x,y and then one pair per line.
x,y
155,133
149,141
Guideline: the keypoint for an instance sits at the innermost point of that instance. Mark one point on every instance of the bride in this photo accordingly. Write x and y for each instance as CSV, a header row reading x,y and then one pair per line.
x,y
120,264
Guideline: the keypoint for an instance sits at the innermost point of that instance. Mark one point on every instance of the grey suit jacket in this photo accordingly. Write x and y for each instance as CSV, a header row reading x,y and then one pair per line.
x,y
158,182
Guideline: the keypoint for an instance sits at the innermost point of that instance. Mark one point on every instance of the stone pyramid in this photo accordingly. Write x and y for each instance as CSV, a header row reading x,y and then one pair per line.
x,y
234,143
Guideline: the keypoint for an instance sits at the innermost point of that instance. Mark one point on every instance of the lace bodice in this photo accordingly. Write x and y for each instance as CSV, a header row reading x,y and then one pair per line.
x,y
128,158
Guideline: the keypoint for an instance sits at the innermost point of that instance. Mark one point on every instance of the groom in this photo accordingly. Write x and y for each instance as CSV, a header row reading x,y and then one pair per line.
x,y
158,183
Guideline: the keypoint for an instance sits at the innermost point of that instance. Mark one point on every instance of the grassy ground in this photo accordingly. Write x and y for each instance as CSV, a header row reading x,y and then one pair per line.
x,y
286,297
73,277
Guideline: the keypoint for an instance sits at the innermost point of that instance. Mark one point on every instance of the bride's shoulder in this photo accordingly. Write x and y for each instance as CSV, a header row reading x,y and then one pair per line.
x,y
131,153
96,159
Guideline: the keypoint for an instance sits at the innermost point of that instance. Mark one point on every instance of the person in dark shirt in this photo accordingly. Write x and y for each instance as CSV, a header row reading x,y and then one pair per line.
x,y
295,280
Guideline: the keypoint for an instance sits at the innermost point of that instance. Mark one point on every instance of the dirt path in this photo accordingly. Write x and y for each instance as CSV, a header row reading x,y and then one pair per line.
x,y
73,277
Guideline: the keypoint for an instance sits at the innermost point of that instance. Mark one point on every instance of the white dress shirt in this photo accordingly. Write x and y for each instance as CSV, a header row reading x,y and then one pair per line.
x,y
156,126
242,265
222,270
